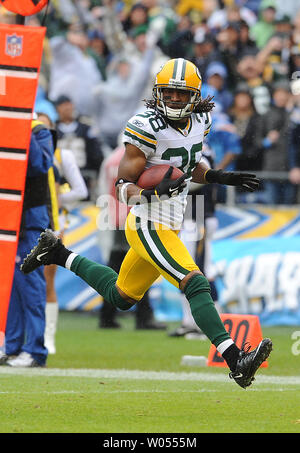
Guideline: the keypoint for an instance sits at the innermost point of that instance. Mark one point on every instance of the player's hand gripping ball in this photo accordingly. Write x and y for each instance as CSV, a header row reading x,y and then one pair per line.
x,y
24,7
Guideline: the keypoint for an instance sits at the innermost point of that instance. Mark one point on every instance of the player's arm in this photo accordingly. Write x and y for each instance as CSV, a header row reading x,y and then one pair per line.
x,y
202,174
131,167
198,174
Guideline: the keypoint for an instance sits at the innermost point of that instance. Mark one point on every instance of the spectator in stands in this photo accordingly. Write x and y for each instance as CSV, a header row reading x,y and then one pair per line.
x,y
119,96
274,133
42,104
140,39
187,7
289,7
223,140
230,13
251,4
138,15
128,75
246,120
61,14
73,71
162,15
216,77
264,28
245,40
98,49
296,28
229,49
204,50
283,26
274,59
294,68
294,139
77,133
294,159
225,144
250,72
180,43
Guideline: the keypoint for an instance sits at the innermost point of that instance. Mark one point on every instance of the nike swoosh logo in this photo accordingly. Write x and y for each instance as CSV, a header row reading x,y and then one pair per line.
x,y
40,256
238,376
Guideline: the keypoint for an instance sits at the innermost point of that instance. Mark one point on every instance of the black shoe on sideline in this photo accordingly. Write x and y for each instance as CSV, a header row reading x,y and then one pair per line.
x,y
109,325
151,325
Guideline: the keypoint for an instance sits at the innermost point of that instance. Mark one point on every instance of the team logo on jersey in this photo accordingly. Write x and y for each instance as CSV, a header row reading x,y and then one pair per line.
x,y
138,123
14,45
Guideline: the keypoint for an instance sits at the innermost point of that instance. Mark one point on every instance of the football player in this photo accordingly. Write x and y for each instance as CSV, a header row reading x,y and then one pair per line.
x,y
171,131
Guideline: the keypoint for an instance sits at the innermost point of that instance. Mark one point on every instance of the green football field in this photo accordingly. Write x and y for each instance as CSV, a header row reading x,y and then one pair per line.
x,y
128,381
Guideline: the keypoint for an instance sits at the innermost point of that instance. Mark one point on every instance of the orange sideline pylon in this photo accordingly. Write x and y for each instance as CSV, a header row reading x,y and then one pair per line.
x,y
24,7
242,329
20,60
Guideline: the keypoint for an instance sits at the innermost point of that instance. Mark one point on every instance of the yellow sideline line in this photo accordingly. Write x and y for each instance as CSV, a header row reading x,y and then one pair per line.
x,y
94,302
277,220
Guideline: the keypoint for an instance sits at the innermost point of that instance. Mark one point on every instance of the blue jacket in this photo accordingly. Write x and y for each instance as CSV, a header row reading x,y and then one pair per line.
x,y
40,160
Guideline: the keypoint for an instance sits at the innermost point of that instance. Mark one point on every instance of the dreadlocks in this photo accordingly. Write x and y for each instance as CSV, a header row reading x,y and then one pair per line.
x,y
204,106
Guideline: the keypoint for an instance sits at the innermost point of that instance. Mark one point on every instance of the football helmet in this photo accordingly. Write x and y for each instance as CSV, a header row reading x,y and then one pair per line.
x,y
180,74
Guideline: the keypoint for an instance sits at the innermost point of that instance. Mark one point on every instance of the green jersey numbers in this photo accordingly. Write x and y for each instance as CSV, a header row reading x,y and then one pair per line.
x,y
157,122
188,158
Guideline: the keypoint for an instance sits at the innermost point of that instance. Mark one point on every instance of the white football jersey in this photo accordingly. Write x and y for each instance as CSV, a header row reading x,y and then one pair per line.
x,y
163,144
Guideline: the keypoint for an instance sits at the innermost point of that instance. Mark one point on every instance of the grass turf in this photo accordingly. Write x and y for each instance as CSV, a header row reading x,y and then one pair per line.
x,y
207,403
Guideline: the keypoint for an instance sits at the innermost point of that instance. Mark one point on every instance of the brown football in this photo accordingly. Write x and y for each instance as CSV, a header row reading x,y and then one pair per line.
x,y
151,177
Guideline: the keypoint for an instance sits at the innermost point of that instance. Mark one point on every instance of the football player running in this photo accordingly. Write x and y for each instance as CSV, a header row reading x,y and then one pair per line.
x,y
171,131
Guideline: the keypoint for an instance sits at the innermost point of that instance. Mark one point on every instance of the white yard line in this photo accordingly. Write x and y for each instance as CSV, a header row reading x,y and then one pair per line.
x,y
94,392
144,375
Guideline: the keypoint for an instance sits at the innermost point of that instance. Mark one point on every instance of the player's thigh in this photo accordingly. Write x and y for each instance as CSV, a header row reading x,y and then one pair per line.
x,y
136,275
161,247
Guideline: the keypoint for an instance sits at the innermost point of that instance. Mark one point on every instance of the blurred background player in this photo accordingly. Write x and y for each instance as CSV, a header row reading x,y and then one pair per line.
x,y
71,188
197,234
76,133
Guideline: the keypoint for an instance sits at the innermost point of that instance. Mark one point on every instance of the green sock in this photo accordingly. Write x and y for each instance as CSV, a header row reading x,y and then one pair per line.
x,y
197,291
101,278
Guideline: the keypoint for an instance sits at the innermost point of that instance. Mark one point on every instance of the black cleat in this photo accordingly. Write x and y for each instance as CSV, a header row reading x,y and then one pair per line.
x,y
42,253
249,362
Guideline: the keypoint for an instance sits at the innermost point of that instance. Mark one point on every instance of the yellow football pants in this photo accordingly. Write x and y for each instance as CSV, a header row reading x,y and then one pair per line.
x,y
154,251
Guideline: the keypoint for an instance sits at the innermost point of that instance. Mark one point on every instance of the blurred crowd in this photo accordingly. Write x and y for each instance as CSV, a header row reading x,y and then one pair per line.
x,y
101,56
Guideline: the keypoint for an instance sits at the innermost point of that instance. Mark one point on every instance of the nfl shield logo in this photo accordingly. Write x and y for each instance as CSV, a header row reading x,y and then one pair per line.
x,y
14,45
